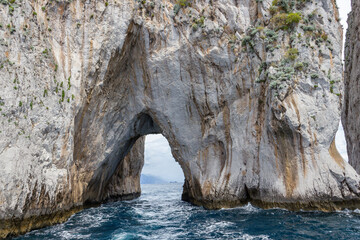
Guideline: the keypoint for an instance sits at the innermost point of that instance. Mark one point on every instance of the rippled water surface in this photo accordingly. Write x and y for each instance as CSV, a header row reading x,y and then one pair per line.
x,y
160,214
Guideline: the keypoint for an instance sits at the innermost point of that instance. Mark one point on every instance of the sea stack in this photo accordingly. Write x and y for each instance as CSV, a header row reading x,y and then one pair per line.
x,y
351,113
247,93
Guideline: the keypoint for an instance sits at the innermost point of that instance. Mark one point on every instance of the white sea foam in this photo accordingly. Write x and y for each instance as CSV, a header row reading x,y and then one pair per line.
x,y
122,236
357,211
258,237
248,208
71,235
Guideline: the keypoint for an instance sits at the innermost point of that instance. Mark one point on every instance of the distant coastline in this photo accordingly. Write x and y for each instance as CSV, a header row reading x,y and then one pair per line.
x,y
151,179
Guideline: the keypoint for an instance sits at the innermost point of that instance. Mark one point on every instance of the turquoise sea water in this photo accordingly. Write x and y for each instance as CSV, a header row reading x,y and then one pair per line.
x,y
160,214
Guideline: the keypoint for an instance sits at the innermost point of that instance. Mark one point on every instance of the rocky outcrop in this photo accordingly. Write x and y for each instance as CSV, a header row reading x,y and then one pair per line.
x,y
125,181
248,94
351,113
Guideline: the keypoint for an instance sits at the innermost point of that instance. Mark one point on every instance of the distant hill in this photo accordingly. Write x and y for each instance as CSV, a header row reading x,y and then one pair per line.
x,y
149,179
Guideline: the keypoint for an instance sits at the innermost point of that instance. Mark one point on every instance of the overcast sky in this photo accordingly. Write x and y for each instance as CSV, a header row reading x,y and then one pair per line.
x,y
159,161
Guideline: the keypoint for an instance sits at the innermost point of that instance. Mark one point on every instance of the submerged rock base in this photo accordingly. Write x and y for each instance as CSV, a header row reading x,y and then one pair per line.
x,y
329,206
14,227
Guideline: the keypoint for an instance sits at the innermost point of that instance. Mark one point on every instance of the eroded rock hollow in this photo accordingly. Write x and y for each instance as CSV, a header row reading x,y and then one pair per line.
x,y
247,93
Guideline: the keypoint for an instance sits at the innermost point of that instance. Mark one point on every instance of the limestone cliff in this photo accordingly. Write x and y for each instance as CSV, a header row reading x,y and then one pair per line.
x,y
248,94
351,113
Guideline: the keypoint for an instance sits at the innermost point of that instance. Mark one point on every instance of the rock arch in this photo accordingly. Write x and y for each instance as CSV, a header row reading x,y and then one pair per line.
x,y
242,129
122,108
235,143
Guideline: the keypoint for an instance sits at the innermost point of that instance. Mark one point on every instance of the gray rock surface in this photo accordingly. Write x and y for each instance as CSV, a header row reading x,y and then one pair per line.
x,y
125,182
351,113
249,101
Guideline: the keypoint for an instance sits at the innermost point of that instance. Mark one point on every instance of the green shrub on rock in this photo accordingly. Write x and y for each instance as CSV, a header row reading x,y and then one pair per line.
x,y
293,18
299,66
292,54
180,4
285,21
314,76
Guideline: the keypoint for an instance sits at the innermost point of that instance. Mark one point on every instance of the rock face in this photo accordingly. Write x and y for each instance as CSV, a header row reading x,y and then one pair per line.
x,y
125,181
248,94
351,113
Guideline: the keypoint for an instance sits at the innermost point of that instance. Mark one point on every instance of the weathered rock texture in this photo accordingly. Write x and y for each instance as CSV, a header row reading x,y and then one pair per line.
x,y
124,183
249,101
351,113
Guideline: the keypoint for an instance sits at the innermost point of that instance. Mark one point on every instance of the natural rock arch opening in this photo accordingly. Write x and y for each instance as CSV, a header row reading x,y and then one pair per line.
x,y
160,167
133,100
118,176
